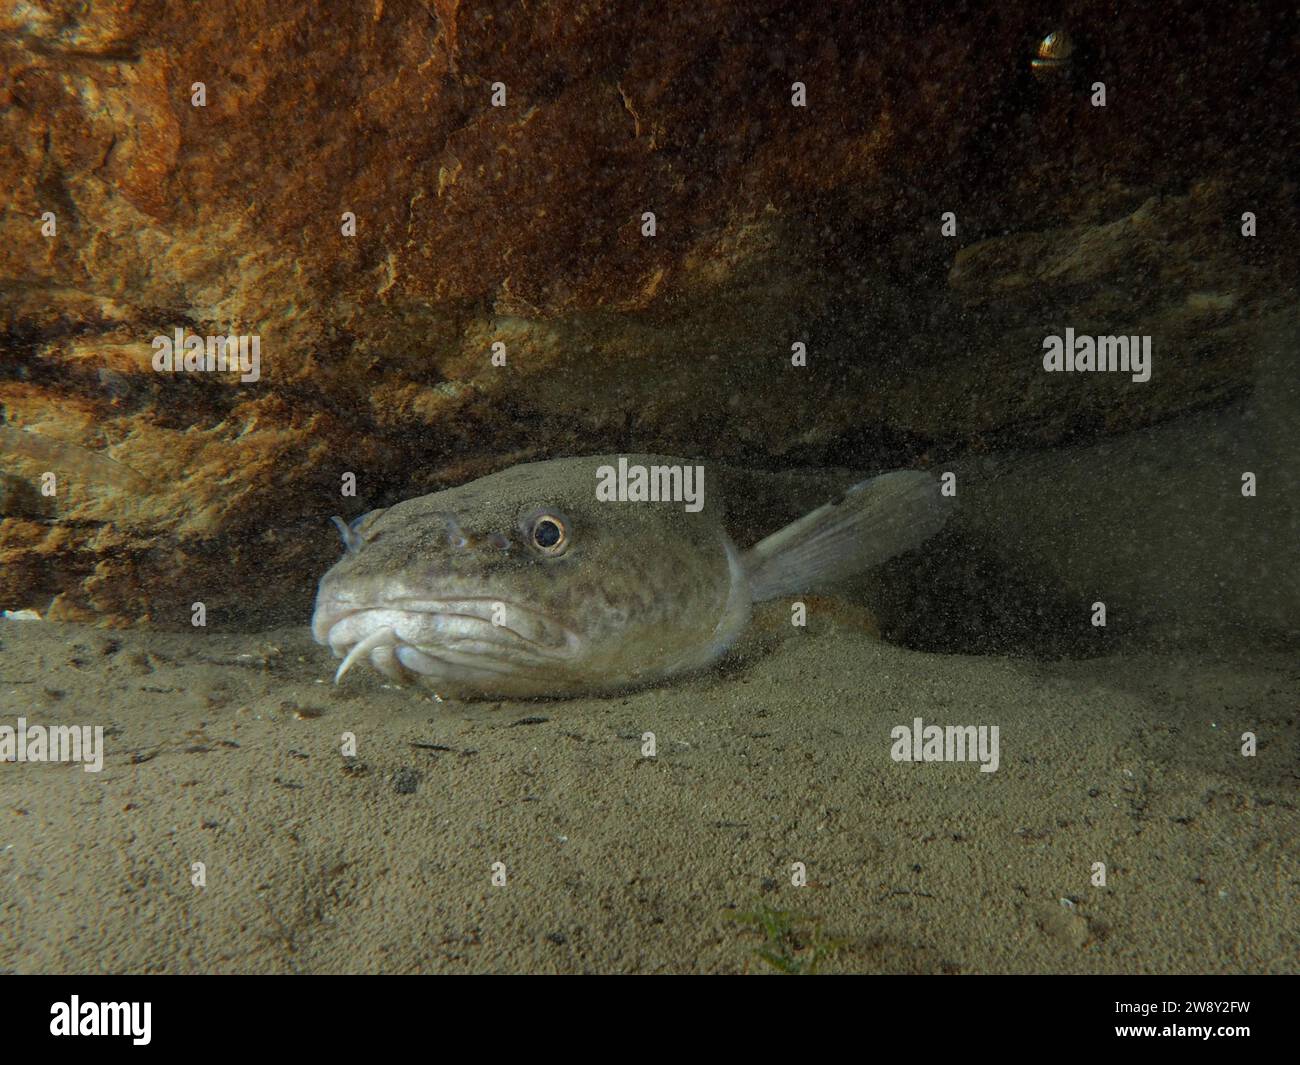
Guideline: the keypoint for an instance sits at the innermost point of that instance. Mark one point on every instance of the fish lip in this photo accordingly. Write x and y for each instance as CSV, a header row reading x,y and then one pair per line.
x,y
333,612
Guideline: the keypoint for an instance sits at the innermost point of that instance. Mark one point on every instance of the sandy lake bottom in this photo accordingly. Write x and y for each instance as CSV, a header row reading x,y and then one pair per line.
x,y
226,750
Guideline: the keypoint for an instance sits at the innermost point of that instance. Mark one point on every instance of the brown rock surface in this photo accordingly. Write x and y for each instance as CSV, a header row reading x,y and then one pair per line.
x,y
522,224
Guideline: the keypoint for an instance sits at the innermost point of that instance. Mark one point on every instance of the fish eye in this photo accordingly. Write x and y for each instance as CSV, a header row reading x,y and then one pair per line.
x,y
549,534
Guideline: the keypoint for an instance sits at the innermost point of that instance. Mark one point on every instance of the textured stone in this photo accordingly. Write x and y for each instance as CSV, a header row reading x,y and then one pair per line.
x,y
522,224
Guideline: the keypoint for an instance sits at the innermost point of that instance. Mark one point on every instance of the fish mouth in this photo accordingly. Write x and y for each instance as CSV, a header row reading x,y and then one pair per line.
x,y
463,640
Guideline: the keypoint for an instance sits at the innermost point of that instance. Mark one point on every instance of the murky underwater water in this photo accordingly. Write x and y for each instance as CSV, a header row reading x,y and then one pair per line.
x,y
1031,710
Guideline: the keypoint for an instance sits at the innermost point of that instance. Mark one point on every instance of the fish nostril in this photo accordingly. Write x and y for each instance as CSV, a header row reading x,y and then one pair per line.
x,y
500,541
351,539
455,535
350,532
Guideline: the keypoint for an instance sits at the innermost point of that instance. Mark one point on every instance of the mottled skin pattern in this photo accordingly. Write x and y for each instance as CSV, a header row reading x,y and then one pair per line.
x,y
642,590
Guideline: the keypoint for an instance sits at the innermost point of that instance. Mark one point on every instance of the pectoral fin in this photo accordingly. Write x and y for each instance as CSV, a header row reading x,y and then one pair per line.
x,y
869,524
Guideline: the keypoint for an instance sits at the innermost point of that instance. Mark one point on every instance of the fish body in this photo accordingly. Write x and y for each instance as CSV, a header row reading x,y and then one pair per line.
x,y
528,583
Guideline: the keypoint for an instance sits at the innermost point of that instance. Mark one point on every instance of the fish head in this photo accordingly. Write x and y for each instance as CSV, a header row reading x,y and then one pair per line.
x,y
524,583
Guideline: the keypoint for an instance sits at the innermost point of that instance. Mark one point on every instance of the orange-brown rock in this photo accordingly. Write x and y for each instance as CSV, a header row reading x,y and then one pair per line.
x,y
523,225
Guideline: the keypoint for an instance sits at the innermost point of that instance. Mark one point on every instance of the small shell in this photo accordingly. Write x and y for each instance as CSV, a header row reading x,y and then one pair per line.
x,y
1054,52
